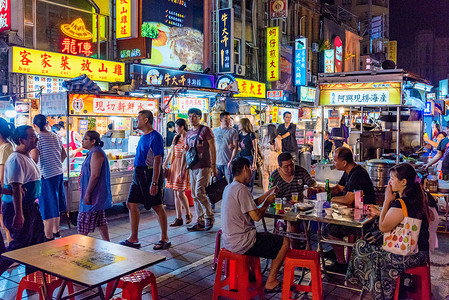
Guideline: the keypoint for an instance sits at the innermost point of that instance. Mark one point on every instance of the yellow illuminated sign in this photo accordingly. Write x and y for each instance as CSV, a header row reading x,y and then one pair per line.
x,y
77,30
358,93
46,63
123,21
250,89
273,56
393,51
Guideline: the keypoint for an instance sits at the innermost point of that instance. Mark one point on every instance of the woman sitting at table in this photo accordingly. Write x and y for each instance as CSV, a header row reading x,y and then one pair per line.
x,y
372,266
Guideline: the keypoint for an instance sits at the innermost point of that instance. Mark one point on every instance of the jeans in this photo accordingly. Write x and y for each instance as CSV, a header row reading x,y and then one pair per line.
x,y
199,180
253,176
223,171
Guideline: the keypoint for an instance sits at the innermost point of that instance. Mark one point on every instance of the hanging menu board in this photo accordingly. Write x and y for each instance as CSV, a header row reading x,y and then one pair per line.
x,y
54,104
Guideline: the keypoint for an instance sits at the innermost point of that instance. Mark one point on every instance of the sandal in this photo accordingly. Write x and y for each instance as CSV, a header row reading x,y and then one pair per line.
x,y
276,289
176,222
161,245
129,244
189,218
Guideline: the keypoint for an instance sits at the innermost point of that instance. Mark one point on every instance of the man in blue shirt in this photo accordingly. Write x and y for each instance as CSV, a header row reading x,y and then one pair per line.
x,y
148,181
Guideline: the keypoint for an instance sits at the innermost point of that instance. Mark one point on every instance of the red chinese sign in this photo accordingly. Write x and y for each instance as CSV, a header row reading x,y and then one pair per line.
x,y
5,15
75,47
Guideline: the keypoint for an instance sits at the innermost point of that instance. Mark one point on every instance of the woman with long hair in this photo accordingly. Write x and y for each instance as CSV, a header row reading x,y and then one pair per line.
x,y
271,147
248,146
372,266
95,187
177,176
6,148
49,155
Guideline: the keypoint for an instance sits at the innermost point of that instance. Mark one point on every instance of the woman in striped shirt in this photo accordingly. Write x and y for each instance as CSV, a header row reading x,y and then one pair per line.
x,y
50,154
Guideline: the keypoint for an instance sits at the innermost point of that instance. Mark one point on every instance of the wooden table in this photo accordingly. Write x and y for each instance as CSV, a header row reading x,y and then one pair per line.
x,y
83,260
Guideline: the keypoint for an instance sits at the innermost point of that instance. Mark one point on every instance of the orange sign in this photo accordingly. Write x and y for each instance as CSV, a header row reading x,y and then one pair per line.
x,y
100,105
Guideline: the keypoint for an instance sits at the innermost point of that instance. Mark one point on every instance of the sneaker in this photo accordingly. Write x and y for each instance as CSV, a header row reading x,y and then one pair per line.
x,y
57,235
196,227
209,223
337,267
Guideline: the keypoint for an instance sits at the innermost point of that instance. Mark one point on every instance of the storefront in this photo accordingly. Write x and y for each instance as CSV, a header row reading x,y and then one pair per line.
x,y
95,112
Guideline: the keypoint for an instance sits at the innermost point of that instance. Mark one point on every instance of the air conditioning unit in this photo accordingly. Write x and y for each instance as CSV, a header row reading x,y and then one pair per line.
x,y
239,70
315,47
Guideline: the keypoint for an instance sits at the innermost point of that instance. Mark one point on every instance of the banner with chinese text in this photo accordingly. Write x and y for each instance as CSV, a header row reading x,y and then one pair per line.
x,y
126,22
329,61
226,40
106,105
273,55
250,89
169,77
30,61
353,94
392,51
278,9
5,15
301,61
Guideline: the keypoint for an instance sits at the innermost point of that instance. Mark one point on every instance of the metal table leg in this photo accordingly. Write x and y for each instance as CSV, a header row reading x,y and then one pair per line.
x,y
61,289
44,288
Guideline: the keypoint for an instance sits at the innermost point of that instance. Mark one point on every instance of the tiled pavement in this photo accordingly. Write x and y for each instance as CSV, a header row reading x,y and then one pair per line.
x,y
186,274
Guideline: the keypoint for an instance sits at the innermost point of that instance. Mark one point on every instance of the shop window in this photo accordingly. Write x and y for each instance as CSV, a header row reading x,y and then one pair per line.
x,y
237,51
237,4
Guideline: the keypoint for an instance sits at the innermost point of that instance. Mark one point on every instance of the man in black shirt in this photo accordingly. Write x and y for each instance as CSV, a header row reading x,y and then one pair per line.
x,y
328,145
287,133
355,177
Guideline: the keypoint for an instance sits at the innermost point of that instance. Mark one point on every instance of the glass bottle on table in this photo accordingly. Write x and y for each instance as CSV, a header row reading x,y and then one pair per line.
x,y
327,189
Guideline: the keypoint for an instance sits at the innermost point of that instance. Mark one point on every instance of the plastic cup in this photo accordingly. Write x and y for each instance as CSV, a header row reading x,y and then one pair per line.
x,y
321,196
295,197
278,204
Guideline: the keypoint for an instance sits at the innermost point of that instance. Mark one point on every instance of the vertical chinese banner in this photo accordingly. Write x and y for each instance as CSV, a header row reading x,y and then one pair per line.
x,y
329,61
273,55
5,15
301,61
393,51
226,40
126,19
338,46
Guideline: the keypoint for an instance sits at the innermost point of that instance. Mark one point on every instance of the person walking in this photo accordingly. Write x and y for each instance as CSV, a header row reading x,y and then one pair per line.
x,y
95,187
170,134
287,134
201,138
148,181
226,143
6,149
271,147
178,177
49,155
248,147
22,184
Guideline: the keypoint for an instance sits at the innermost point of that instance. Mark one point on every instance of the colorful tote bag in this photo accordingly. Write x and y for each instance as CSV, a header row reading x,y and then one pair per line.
x,y
403,239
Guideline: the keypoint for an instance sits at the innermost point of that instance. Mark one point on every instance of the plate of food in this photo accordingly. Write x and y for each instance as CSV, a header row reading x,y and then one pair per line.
x,y
304,206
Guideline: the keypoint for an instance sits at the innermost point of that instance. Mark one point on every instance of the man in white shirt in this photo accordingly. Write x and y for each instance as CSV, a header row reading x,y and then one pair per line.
x,y
239,211
226,143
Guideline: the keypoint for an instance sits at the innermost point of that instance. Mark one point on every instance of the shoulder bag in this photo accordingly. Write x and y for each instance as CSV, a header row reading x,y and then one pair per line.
x,y
403,239
192,157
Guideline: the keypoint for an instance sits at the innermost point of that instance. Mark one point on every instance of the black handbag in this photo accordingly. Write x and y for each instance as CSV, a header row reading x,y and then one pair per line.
x,y
192,157
215,190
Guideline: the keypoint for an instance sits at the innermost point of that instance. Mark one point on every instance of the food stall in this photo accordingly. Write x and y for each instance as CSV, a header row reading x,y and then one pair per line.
x,y
372,107
95,112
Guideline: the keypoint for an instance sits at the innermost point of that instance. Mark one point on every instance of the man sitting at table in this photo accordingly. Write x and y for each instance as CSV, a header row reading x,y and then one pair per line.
x,y
291,178
239,211
355,177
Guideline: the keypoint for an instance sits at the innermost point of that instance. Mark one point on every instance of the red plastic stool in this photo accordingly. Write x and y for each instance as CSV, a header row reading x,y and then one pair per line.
x,y
189,197
132,285
217,249
33,282
422,284
307,259
238,280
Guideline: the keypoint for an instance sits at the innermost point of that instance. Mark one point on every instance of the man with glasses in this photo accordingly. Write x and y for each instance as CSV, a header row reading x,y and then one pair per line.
x,y
287,134
291,178
203,139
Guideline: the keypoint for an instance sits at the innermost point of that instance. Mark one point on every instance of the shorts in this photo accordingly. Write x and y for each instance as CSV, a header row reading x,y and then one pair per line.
x,y
267,245
88,221
140,188
340,231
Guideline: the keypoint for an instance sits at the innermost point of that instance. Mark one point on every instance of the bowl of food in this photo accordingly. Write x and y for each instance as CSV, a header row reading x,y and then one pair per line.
x,y
304,206
347,211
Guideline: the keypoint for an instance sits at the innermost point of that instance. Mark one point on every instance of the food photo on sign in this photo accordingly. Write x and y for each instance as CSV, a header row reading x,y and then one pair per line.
x,y
177,32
